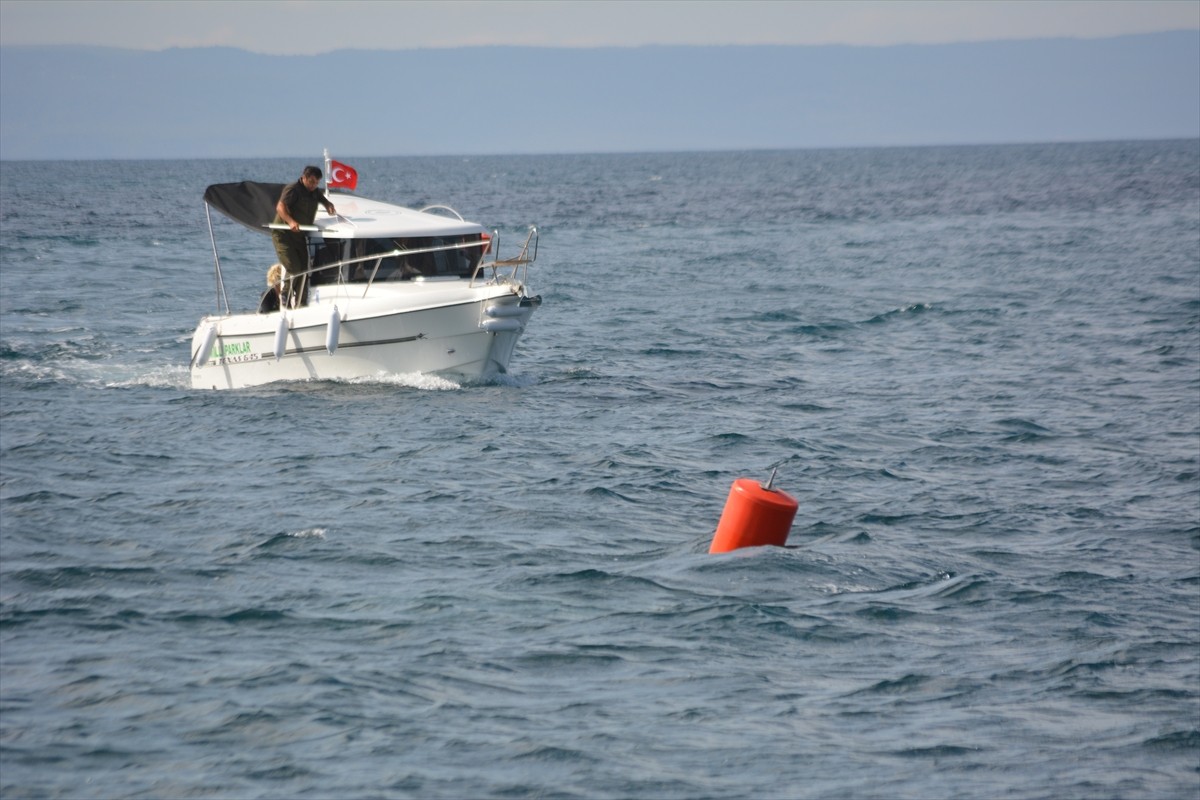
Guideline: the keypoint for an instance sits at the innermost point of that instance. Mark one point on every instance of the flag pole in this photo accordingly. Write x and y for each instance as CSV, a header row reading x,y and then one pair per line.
x,y
326,167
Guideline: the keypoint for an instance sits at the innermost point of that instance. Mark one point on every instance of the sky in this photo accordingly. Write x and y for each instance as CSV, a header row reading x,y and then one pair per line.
x,y
287,27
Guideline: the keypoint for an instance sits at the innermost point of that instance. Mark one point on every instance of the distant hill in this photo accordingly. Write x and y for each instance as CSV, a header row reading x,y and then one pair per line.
x,y
86,103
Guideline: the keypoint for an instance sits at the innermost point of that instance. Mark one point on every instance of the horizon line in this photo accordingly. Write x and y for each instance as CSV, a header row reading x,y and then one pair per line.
x,y
641,46
698,151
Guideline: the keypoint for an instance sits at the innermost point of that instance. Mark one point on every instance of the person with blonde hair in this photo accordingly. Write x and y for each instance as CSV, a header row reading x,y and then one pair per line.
x,y
272,299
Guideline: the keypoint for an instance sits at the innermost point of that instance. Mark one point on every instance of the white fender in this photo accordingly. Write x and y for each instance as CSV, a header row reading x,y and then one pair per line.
x,y
281,336
504,311
206,346
498,325
332,331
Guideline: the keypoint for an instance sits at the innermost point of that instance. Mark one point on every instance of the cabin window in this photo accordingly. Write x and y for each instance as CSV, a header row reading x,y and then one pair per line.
x,y
459,263
388,268
329,251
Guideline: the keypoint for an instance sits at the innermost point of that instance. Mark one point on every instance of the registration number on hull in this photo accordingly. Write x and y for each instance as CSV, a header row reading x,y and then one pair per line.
x,y
233,353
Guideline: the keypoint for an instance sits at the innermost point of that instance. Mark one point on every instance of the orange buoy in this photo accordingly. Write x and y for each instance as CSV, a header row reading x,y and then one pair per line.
x,y
754,515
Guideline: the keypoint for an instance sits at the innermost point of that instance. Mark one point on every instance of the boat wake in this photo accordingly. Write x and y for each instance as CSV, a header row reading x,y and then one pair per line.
x,y
101,374
408,380
438,383
105,374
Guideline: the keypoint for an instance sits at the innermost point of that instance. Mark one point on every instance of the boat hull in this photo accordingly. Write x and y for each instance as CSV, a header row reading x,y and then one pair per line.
x,y
454,330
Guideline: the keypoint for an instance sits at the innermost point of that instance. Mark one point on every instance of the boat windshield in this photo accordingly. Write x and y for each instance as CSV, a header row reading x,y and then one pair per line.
x,y
459,263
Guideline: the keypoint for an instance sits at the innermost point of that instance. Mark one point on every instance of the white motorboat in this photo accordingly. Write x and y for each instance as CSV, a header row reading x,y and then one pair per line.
x,y
389,290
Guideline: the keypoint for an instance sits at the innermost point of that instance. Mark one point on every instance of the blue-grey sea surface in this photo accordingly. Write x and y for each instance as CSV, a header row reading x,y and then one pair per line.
x,y
977,370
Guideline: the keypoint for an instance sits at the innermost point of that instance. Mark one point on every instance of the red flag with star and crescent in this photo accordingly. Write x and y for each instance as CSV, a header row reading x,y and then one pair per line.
x,y
342,176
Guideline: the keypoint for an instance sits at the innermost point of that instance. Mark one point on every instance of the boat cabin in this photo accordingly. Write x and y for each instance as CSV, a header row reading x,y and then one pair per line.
x,y
368,241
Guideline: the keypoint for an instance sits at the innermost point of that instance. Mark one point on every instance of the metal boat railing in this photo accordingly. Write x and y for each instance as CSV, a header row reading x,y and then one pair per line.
x,y
379,257
520,263
443,208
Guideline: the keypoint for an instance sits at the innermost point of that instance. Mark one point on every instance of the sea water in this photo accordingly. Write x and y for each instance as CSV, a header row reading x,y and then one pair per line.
x,y
977,369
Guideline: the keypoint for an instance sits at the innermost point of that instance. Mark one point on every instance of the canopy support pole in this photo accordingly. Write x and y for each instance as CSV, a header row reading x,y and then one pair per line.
x,y
216,262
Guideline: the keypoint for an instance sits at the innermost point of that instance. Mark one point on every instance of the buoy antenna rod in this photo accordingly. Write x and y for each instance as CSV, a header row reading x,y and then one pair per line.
x,y
771,480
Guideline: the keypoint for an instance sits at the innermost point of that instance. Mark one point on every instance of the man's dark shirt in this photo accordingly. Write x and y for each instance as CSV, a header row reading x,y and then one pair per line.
x,y
301,203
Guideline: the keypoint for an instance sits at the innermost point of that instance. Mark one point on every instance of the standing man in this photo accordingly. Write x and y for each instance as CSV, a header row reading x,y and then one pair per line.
x,y
297,206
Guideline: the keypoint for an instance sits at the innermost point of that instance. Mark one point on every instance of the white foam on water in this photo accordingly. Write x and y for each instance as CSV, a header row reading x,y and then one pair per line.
x,y
309,533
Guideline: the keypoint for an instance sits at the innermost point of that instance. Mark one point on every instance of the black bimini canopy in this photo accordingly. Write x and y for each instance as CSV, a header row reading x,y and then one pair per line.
x,y
250,203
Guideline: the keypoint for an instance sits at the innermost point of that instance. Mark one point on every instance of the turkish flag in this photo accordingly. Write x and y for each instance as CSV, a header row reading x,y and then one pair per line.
x,y
342,176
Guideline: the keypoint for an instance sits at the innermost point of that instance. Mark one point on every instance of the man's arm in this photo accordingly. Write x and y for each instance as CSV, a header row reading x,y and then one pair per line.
x,y
282,210
329,209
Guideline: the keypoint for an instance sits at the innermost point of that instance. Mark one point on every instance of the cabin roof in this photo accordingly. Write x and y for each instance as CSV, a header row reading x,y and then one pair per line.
x,y
362,218
253,205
